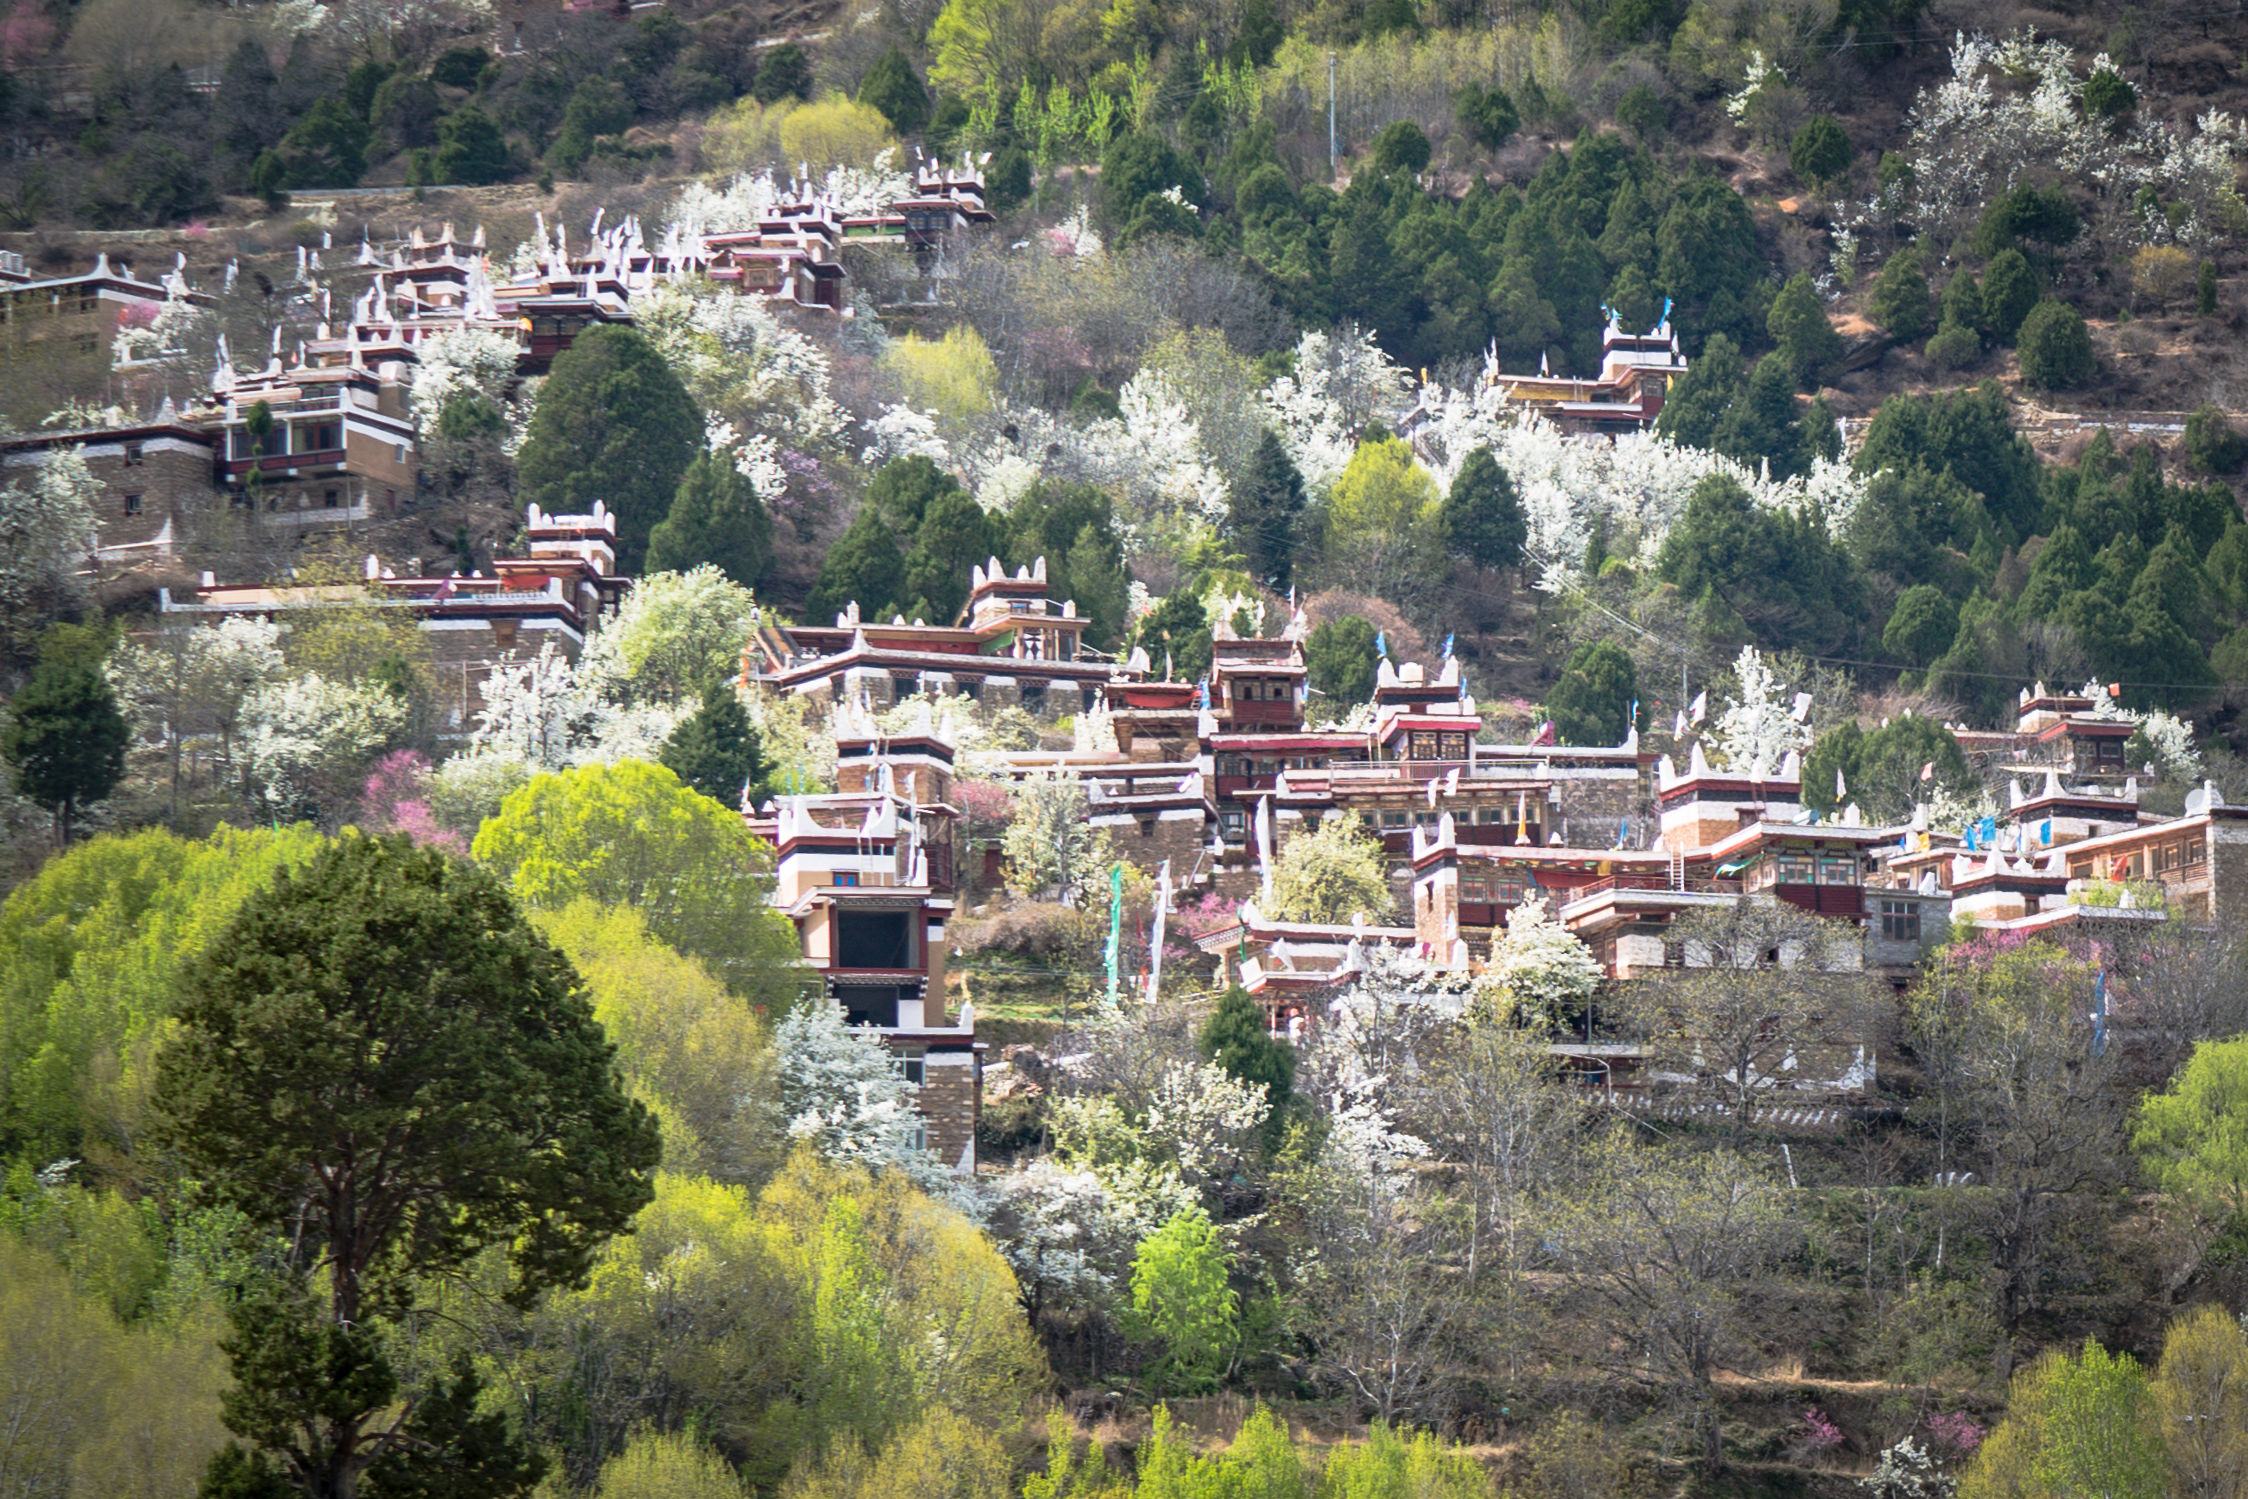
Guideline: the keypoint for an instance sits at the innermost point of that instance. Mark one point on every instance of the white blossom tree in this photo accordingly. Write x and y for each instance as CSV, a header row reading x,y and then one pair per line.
x,y
845,1094
468,360
1539,969
1052,848
197,680
308,739
1759,730
47,541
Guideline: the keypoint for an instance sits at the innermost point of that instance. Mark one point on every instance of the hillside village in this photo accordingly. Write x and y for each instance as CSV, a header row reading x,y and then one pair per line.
x,y
996,751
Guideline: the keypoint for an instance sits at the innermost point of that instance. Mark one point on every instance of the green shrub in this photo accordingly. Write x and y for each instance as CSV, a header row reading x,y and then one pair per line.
x,y
2055,348
1820,151
2010,290
1900,304
1954,347
2212,443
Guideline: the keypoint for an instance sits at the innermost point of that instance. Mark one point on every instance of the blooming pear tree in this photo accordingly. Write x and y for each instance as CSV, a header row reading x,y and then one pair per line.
x,y
1539,970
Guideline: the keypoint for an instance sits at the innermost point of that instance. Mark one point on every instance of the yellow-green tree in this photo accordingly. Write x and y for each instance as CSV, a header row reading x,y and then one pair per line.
x,y
696,1054
1331,873
669,1465
1385,525
835,132
2075,1425
632,834
952,376
2201,1398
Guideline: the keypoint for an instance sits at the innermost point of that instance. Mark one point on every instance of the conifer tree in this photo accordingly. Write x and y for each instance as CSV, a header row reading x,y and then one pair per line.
x,y
64,738
1237,1039
613,424
1483,513
865,566
716,517
716,750
1268,508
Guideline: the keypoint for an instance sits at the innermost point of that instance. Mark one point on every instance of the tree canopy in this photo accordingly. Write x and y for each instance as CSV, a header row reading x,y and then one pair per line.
x,y
613,423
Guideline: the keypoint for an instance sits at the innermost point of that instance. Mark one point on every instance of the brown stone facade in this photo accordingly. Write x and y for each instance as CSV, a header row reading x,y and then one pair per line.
x,y
951,1102
158,483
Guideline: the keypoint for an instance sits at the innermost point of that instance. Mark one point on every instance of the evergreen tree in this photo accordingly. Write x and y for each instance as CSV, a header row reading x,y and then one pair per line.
x,y
716,517
471,151
1339,660
1237,1038
1835,751
1820,151
1922,626
328,148
1267,511
1798,325
388,992
2056,349
954,535
614,424
1178,629
1591,703
1698,401
785,73
864,566
1900,304
1762,426
892,87
716,751
1486,114
64,738
2010,290
1483,513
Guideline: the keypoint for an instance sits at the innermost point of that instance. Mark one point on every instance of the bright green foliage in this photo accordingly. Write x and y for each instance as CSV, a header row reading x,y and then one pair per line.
x,y
1388,1465
2085,1425
891,86
676,635
1267,507
690,1050
64,738
1922,626
863,567
657,1465
1900,303
96,1407
471,151
2193,1135
2213,443
1384,522
2010,289
939,1456
831,1304
1237,1038
1330,873
715,751
1592,702
1483,518
1182,1304
1820,151
388,992
93,953
613,424
715,517
1339,660
1798,325
2055,348
631,834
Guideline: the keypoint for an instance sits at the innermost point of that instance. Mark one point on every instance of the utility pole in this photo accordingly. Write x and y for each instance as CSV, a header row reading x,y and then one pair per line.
x,y
1334,158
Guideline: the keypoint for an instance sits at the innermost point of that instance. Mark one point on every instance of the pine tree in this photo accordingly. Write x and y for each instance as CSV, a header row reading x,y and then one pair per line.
x,y
892,87
614,424
1697,403
1268,509
864,566
1900,304
955,534
64,738
716,751
1591,703
1483,513
1763,424
1237,1039
1807,341
716,517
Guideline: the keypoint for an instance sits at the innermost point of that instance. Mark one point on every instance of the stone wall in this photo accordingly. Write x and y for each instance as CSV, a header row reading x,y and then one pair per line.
x,y
952,1102
1145,840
